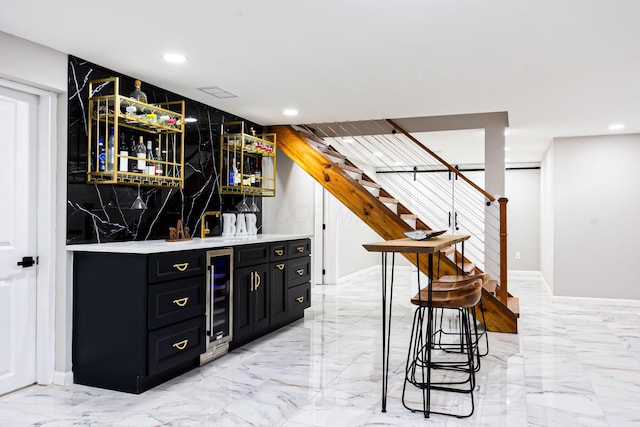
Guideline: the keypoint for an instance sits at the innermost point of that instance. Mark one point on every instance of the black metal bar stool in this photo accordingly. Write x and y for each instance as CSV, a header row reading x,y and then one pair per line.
x,y
424,360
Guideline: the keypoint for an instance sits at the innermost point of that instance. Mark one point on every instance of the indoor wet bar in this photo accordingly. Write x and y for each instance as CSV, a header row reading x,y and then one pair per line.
x,y
336,213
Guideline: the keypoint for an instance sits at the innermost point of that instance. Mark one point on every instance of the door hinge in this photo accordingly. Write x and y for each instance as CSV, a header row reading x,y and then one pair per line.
x,y
28,261
324,271
324,226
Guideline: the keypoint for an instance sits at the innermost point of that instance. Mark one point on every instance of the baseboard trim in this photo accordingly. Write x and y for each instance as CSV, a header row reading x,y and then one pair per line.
x,y
62,378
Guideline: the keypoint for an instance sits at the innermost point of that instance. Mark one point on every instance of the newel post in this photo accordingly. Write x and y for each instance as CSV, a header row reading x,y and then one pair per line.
x,y
502,292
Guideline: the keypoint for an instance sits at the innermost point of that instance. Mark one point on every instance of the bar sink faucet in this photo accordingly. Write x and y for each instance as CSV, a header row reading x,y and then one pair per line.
x,y
204,225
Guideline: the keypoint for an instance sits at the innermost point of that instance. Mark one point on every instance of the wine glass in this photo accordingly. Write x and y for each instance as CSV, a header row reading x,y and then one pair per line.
x,y
138,203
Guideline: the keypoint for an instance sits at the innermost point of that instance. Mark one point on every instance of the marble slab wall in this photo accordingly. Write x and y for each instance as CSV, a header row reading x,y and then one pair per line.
x,y
102,212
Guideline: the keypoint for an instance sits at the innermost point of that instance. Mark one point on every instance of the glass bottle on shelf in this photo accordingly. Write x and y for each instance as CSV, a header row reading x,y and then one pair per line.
x,y
133,164
111,151
151,166
101,155
137,93
159,166
141,153
257,173
123,165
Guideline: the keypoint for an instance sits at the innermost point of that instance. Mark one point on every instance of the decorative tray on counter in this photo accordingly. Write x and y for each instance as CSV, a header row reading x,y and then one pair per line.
x,y
423,234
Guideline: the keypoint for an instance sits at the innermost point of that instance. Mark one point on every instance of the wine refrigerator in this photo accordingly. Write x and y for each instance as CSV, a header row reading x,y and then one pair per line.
x,y
219,307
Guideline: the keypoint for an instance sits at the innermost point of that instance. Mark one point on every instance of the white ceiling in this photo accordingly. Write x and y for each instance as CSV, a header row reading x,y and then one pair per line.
x,y
558,67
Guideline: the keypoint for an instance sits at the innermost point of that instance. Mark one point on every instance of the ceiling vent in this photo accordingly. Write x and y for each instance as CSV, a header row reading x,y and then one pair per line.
x,y
218,92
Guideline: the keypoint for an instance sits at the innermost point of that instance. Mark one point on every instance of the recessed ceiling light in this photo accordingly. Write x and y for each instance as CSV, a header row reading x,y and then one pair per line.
x,y
290,112
616,126
174,58
377,154
507,148
347,140
190,119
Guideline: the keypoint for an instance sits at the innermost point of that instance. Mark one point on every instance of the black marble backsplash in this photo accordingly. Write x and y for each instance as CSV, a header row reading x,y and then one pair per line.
x,y
101,212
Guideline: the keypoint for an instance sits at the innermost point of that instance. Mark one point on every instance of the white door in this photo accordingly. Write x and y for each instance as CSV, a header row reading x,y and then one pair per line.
x,y
18,167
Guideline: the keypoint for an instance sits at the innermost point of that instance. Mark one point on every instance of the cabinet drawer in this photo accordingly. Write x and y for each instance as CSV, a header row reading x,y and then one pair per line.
x,y
299,297
298,271
278,251
176,265
299,248
171,302
251,254
175,344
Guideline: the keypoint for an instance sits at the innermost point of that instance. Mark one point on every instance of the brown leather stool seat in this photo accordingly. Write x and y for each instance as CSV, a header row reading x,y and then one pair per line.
x,y
446,338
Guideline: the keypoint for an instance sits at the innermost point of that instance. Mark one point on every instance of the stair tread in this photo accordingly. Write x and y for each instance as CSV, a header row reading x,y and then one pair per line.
x,y
491,286
468,267
351,168
333,153
408,216
387,200
513,304
447,250
369,183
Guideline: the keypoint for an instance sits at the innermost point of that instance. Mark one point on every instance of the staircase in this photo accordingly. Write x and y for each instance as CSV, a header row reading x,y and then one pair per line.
x,y
386,216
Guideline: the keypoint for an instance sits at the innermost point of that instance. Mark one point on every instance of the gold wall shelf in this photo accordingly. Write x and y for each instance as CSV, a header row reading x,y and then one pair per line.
x,y
162,124
247,161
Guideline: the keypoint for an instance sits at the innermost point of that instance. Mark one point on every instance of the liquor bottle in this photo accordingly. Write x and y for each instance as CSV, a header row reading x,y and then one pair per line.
x,y
101,155
246,173
159,166
141,153
236,172
123,165
228,165
257,173
111,151
133,164
151,166
137,93
251,171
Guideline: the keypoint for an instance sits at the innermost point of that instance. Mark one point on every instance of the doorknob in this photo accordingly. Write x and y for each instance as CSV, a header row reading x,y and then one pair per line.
x,y
28,261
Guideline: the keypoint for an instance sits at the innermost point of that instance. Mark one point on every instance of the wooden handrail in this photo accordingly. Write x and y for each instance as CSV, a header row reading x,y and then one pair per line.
x,y
503,293
440,159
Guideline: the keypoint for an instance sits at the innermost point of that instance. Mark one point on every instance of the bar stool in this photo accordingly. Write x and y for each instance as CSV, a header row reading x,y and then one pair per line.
x,y
422,358
449,282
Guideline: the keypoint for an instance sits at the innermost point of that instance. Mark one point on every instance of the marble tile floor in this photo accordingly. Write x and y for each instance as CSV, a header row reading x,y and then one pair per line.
x,y
575,362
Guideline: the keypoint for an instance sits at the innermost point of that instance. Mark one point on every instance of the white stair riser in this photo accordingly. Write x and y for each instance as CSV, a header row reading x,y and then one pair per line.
x,y
411,222
392,206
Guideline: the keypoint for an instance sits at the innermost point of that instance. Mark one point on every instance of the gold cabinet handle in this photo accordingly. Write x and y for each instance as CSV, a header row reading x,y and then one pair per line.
x,y
181,345
257,281
181,267
279,252
280,267
300,272
252,280
181,302
300,299
300,249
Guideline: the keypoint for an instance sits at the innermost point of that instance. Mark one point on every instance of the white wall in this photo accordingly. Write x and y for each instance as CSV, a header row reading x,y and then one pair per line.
x,y
522,188
352,233
546,217
596,206
44,68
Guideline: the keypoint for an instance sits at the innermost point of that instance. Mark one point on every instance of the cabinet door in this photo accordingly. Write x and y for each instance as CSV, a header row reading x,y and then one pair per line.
x,y
260,299
278,289
250,302
242,290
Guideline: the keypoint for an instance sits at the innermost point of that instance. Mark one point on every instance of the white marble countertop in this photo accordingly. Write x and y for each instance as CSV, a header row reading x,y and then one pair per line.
x,y
156,246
